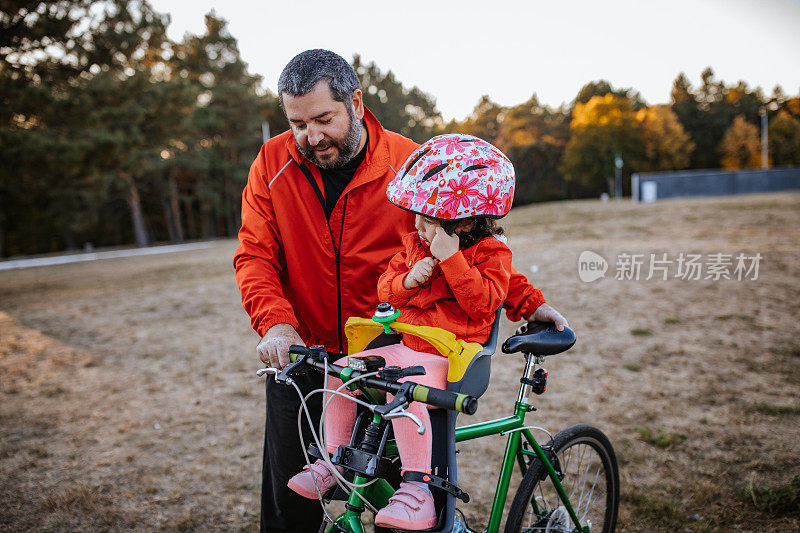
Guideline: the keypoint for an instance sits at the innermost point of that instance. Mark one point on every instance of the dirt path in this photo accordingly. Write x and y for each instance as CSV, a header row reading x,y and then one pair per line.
x,y
128,398
80,257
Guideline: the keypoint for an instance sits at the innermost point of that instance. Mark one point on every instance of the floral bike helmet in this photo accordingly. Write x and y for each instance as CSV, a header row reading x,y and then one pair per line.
x,y
451,177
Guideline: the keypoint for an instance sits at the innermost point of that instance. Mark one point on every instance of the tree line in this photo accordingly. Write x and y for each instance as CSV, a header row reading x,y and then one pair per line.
x,y
113,134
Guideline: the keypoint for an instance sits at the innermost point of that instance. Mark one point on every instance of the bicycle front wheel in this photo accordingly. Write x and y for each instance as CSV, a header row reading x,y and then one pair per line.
x,y
585,458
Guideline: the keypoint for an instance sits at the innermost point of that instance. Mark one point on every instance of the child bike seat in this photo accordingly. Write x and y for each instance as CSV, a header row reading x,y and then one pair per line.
x,y
474,381
476,378
443,427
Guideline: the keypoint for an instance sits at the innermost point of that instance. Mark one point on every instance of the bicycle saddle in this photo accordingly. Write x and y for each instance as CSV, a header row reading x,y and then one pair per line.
x,y
540,338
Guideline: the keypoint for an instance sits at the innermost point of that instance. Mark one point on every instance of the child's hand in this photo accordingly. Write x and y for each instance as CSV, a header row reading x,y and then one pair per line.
x,y
444,245
420,273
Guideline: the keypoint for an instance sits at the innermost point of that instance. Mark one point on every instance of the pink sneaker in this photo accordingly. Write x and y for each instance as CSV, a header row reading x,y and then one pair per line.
x,y
303,483
411,507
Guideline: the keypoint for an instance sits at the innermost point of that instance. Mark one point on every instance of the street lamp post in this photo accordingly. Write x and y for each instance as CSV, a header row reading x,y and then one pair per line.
x,y
617,176
265,134
764,140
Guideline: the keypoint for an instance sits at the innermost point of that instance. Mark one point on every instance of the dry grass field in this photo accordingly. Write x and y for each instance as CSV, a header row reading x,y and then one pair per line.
x,y
128,398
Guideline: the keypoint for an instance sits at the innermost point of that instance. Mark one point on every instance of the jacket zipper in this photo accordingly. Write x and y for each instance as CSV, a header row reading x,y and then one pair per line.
x,y
307,173
339,275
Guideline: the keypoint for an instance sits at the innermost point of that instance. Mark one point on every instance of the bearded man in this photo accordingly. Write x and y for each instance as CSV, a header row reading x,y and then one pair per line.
x,y
317,233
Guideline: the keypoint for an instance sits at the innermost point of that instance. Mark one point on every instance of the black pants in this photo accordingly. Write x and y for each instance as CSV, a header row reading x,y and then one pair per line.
x,y
282,510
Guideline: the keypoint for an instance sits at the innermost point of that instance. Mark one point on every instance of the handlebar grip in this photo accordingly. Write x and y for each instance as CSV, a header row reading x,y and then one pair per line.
x,y
454,401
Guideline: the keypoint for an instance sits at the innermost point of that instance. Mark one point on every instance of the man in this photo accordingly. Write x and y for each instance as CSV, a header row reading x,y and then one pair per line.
x,y
317,232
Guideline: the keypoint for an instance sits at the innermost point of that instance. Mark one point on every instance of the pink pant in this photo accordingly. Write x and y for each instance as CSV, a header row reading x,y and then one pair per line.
x,y
415,449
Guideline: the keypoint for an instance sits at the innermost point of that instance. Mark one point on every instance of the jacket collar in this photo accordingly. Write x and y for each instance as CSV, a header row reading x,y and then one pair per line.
x,y
376,161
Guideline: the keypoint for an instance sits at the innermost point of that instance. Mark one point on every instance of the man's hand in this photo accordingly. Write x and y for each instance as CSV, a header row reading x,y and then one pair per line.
x,y
444,245
420,273
273,349
545,313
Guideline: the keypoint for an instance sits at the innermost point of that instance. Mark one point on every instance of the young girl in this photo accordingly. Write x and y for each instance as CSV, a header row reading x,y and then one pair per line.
x,y
453,273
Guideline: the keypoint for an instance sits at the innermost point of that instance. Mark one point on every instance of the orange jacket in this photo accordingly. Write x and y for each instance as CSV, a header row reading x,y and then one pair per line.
x,y
461,295
295,266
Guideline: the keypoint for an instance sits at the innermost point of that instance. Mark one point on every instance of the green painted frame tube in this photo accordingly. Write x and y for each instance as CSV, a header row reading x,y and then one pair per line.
x,y
376,493
492,427
348,521
512,445
475,431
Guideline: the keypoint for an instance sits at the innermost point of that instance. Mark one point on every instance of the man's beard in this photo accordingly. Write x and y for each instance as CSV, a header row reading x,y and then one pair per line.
x,y
345,147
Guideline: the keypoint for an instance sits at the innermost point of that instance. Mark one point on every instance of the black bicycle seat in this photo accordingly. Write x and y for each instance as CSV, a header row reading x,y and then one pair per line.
x,y
540,338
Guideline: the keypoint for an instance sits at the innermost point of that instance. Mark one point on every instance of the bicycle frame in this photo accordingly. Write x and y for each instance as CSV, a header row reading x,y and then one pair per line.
x,y
378,493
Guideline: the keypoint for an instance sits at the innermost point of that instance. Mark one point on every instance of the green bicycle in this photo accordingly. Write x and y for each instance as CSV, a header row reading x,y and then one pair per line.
x,y
569,484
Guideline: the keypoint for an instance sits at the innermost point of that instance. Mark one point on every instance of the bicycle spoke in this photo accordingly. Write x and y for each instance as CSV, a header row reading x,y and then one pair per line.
x,y
583,517
582,481
580,462
589,501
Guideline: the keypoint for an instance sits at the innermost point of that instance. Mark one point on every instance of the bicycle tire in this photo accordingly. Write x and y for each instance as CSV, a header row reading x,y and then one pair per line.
x,y
591,480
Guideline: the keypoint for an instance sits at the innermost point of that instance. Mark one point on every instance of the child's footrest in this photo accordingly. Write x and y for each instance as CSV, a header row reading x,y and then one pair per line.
x,y
438,482
365,463
313,451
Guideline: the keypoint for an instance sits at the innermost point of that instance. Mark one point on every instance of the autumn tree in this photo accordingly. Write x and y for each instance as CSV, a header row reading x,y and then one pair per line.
x,y
790,105
410,112
665,144
600,129
740,146
602,88
539,176
484,121
784,140
533,136
741,100
708,111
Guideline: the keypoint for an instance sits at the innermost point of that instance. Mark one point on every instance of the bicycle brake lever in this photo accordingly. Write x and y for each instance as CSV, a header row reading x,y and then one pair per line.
x,y
280,376
284,376
303,353
400,412
401,399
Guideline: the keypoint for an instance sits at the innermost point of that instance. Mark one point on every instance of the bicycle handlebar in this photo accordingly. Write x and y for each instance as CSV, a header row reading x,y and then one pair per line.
x,y
444,399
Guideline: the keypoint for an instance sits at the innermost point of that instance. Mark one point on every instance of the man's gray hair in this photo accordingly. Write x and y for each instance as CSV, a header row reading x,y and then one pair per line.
x,y
306,68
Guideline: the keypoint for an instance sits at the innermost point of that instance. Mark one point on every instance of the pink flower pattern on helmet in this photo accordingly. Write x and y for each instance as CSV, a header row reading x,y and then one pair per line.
x,y
452,177
451,143
459,193
490,203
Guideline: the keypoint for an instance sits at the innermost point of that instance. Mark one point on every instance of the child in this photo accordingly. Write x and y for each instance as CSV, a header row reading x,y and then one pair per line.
x,y
453,273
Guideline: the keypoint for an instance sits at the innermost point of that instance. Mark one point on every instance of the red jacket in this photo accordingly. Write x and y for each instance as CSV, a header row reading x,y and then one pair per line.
x,y
295,266
461,295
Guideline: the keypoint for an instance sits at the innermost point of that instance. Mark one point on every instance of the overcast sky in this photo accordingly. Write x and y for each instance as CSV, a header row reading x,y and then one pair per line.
x,y
458,51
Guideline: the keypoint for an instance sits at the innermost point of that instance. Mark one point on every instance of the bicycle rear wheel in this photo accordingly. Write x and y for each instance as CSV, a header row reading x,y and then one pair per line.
x,y
585,458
